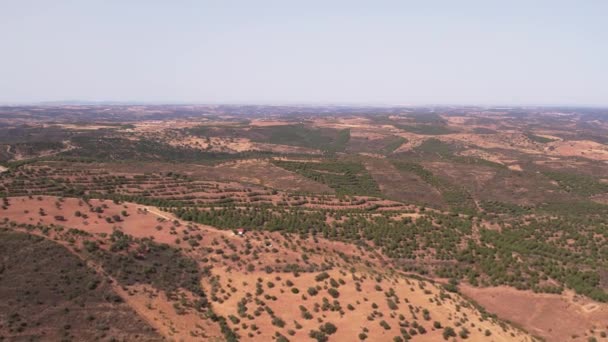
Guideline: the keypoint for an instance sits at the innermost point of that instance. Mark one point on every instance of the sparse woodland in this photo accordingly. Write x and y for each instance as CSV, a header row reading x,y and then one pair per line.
x,y
198,234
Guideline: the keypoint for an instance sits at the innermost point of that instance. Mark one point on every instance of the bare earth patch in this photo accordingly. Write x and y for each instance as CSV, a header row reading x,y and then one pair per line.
x,y
493,157
554,317
269,122
580,148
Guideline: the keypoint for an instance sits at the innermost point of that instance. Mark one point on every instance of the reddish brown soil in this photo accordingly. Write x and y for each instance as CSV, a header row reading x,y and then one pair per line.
x,y
554,317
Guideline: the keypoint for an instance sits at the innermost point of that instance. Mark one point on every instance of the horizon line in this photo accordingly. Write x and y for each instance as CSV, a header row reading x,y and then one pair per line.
x,y
290,103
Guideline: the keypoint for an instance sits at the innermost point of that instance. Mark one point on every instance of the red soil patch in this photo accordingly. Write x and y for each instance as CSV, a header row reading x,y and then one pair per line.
x,y
414,296
554,317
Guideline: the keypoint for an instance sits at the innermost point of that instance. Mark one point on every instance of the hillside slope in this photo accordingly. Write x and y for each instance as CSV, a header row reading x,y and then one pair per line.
x,y
195,282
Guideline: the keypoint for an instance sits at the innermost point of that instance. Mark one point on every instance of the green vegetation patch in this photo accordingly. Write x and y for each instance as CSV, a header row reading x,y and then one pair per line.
x,y
426,129
447,151
426,117
476,161
457,197
498,207
483,130
539,139
436,146
575,208
121,149
347,178
227,129
577,183
394,144
293,221
325,139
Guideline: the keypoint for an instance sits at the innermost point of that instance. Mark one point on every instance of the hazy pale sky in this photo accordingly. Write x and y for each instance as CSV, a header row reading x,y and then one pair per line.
x,y
375,51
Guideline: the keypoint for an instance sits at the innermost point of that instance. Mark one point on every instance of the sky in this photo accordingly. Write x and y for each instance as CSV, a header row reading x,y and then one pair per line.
x,y
485,52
